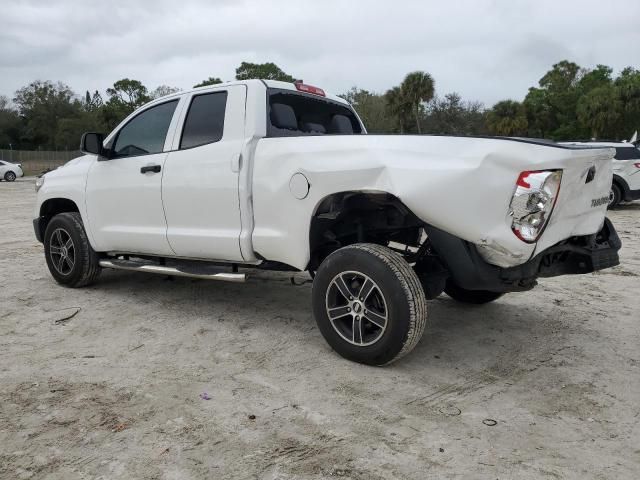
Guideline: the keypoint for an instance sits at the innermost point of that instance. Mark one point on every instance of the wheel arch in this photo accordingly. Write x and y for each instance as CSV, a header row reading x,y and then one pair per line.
x,y
623,185
49,209
356,216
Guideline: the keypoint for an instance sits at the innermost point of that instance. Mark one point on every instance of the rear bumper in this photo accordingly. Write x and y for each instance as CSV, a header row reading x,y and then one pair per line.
x,y
575,255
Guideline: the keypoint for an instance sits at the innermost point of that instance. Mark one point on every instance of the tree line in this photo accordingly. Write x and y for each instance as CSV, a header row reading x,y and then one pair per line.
x,y
569,102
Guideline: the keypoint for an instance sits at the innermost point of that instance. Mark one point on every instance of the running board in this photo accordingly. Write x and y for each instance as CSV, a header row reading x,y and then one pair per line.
x,y
204,272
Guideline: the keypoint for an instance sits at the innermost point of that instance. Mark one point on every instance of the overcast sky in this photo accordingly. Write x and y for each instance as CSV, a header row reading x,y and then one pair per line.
x,y
485,50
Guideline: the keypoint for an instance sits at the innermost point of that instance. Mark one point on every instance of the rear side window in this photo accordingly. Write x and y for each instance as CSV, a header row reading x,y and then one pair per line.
x,y
627,153
294,114
146,132
205,120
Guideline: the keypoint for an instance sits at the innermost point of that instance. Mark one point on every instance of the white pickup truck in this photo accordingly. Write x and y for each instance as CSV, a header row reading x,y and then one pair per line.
x,y
216,181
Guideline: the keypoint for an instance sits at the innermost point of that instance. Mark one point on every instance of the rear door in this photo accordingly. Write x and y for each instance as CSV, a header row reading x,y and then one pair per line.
x,y
200,183
123,193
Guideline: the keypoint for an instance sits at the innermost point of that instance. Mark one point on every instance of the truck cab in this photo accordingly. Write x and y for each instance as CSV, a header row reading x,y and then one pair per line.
x,y
169,178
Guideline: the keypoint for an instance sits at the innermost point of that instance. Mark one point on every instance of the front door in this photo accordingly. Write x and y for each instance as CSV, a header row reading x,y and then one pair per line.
x,y
200,183
123,195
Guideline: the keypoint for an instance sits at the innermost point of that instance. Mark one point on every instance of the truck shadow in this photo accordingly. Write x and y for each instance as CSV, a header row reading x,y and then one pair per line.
x,y
497,336
627,206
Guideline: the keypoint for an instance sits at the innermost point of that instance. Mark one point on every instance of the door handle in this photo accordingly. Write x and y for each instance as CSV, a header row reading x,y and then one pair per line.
x,y
150,168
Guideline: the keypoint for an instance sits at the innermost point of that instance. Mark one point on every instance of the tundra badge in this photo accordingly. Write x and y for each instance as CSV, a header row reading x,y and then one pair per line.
x,y
596,202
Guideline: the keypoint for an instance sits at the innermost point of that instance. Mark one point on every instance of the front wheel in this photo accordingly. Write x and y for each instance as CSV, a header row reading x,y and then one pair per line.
x,y
475,297
10,176
369,304
70,258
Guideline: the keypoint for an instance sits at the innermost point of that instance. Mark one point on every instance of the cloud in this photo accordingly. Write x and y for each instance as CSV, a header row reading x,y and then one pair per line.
x,y
485,50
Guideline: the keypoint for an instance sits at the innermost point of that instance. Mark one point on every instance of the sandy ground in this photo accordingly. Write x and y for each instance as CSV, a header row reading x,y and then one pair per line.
x,y
114,392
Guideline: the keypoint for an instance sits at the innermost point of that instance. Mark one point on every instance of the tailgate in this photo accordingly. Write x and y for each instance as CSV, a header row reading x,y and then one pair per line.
x,y
584,195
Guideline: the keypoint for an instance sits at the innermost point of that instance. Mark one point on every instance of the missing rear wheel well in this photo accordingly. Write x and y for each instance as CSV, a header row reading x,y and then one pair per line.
x,y
355,217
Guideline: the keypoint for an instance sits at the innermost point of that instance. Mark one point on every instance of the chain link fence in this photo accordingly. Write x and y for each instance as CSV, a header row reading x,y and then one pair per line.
x,y
37,161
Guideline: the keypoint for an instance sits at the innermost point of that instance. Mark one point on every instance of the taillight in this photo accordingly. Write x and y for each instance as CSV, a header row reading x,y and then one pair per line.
x,y
533,201
637,165
309,89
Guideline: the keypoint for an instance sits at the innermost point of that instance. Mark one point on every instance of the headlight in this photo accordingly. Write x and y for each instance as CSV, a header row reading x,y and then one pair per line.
x,y
532,203
39,182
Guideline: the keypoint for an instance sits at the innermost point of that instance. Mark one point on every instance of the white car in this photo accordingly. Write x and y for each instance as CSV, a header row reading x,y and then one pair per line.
x,y
10,171
626,171
273,175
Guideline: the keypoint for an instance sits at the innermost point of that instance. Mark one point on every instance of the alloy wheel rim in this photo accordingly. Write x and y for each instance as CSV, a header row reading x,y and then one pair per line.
x,y
612,196
62,251
356,308
11,176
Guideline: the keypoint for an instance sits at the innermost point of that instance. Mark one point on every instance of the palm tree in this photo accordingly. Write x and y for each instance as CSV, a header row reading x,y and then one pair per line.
x,y
507,118
396,106
601,111
417,88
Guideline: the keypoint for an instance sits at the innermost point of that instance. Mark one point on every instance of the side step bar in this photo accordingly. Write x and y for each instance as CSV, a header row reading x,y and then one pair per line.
x,y
205,272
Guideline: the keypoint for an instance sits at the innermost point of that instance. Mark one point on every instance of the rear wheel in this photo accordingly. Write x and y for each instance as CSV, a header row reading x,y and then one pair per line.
x,y
615,196
475,297
70,258
9,176
369,304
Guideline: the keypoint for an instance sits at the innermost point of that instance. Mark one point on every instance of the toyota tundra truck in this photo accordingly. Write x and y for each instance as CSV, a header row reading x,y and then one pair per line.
x,y
219,181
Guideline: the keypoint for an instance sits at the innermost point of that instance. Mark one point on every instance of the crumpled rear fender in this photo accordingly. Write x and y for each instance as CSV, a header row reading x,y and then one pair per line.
x,y
459,185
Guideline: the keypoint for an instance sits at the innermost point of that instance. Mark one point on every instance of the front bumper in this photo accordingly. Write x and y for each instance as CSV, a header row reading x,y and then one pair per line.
x,y
575,255
38,224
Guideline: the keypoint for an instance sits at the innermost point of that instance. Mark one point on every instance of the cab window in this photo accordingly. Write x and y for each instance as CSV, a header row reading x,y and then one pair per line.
x,y
145,133
205,120
294,114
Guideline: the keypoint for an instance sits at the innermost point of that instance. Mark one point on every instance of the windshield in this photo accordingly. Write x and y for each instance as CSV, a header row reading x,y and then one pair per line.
x,y
294,114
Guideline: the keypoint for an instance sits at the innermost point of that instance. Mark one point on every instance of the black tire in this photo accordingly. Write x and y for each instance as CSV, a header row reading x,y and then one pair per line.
x,y
615,197
85,267
474,297
10,176
396,295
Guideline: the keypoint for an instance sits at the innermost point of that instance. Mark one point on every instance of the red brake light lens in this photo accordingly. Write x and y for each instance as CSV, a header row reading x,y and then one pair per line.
x,y
637,165
521,182
310,89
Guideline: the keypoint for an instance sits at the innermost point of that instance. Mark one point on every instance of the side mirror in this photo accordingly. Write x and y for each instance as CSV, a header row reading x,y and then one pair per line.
x,y
91,143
